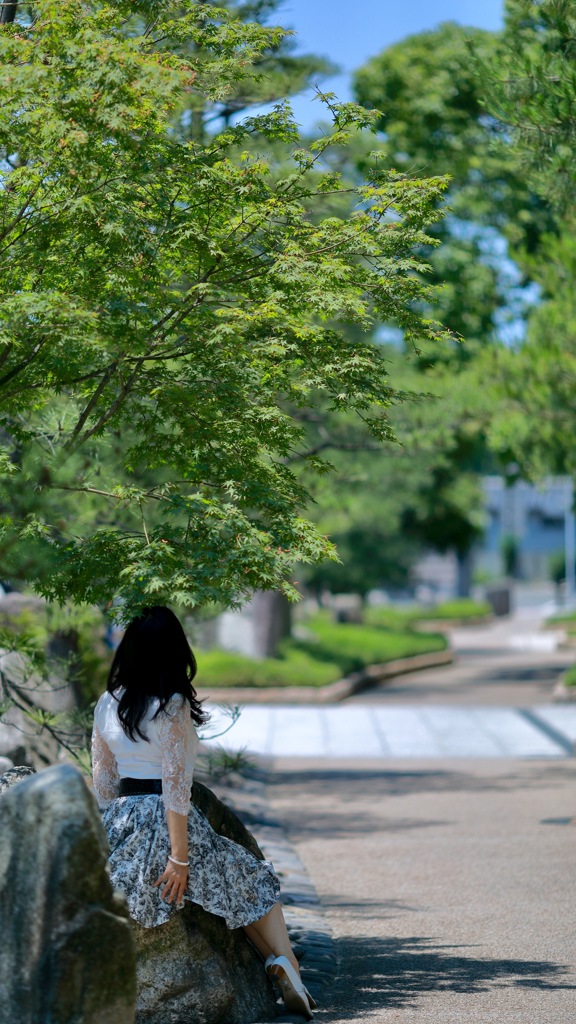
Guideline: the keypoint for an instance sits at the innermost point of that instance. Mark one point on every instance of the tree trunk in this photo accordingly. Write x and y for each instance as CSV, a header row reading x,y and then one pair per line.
x,y
63,648
272,617
465,564
8,11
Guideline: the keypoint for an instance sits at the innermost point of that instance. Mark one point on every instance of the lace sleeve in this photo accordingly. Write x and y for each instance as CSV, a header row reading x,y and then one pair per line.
x,y
104,769
178,742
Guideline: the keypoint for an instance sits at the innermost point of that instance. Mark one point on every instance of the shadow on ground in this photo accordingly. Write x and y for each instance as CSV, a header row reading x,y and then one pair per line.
x,y
395,973
436,683
358,783
382,782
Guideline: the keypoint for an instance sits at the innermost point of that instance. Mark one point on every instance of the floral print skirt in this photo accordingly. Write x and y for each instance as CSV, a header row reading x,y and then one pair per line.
x,y
224,878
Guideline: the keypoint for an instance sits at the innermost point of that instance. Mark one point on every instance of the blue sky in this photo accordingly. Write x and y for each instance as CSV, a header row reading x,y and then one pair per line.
x,y
348,33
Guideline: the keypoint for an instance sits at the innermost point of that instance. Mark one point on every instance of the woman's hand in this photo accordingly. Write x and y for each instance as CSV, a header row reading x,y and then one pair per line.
x,y
174,880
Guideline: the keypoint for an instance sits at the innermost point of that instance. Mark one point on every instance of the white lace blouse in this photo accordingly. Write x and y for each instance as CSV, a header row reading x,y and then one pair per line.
x,y
169,753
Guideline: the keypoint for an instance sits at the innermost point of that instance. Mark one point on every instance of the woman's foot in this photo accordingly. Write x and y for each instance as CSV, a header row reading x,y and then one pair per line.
x,y
294,993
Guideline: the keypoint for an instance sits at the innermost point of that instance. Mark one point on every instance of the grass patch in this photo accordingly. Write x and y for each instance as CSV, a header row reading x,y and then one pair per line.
x,y
332,651
570,677
398,619
354,647
460,608
295,668
564,618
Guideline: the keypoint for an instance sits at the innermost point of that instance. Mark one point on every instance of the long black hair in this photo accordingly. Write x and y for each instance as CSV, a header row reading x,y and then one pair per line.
x,y
154,659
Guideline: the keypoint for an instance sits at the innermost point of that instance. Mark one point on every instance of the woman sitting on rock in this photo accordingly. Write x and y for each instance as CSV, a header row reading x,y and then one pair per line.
x,y
163,850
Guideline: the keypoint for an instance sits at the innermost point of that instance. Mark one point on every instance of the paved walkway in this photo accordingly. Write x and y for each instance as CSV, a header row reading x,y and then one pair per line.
x,y
446,871
449,885
435,817
373,731
495,701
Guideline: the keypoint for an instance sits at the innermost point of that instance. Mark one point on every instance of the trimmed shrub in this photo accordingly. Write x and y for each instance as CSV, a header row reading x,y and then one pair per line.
x,y
459,608
223,668
396,619
354,647
570,677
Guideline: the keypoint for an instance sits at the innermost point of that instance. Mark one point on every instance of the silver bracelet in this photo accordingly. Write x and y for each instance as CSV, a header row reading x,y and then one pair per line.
x,y
181,863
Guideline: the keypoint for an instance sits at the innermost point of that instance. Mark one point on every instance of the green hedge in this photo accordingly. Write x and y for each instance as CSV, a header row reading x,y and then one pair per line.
x,y
567,619
333,651
353,647
222,669
570,677
398,619
459,608
406,618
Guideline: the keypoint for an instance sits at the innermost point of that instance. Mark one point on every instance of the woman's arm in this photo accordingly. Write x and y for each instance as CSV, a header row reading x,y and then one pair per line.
x,y
104,770
177,738
178,832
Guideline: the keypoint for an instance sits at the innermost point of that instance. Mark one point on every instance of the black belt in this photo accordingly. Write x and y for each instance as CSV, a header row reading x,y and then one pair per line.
x,y
140,787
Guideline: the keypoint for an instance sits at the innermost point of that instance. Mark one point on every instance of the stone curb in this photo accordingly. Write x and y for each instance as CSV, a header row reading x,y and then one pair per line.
x,y
308,929
440,625
564,694
333,692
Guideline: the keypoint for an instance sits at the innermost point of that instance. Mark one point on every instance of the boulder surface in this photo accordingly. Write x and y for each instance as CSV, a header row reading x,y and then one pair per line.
x,y
67,950
194,970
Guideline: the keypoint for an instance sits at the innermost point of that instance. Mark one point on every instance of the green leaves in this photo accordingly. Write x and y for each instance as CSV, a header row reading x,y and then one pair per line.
x,y
171,301
530,86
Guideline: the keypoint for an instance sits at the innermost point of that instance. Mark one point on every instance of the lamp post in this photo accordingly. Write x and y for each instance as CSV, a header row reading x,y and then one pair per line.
x,y
8,11
569,544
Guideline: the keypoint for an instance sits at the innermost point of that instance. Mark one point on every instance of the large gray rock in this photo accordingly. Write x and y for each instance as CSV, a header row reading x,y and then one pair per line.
x,y
20,739
67,951
222,819
194,970
14,605
12,775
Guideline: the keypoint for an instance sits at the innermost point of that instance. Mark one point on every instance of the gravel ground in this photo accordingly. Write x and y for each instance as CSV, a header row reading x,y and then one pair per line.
x,y
436,891
449,886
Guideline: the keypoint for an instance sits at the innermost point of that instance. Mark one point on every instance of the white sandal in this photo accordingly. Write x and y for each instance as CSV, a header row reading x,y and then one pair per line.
x,y
295,995
270,960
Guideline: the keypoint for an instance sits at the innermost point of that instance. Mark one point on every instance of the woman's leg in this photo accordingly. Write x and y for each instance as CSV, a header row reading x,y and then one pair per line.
x,y
269,934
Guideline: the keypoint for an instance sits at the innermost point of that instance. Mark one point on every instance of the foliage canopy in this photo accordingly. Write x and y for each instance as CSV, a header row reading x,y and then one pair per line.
x,y
529,87
171,304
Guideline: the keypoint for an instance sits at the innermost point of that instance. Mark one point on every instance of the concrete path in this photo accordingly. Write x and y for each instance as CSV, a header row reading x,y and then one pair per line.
x,y
372,730
437,818
447,872
450,885
510,662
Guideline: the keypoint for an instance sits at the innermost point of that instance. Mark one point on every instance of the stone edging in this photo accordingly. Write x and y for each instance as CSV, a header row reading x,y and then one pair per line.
x,y
309,931
564,694
333,692
439,625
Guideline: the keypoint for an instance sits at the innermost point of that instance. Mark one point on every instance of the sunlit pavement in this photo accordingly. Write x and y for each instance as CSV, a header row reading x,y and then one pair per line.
x,y
494,701
373,731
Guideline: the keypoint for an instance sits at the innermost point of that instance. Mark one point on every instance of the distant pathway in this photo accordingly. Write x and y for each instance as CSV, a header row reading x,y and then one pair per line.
x,y
494,701
373,731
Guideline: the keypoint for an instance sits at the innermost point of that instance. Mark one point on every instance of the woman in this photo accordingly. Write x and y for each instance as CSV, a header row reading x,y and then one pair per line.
x,y
163,850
